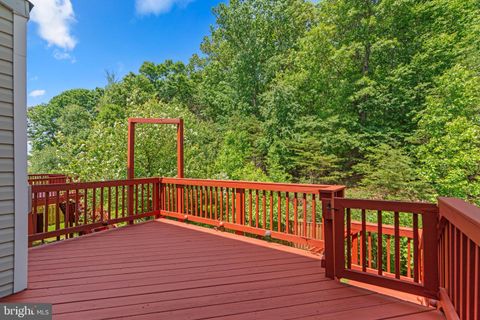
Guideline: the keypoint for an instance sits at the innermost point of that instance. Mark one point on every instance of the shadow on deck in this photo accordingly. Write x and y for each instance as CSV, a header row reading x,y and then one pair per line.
x,y
168,270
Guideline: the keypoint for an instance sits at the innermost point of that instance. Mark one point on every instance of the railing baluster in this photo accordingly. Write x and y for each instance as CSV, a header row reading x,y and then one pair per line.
x,y
189,200
85,206
227,205
295,213
279,212
210,202
409,258
463,273
388,254
397,244
457,270
123,201
45,212
476,299
470,264
196,200
256,208
101,204
380,243
77,210
314,218
364,241
57,212
304,209
450,261
116,202
216,203
271,210
110,203
34,213
348,235
264,209
136,199
287,212
250,207
416,270
221,204
355,248
67,214
142,195
94,205
149,198
369,235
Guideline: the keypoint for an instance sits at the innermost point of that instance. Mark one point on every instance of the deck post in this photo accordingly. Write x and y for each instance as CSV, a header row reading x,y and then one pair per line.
x,y
430,252
328,255
180,166
156,198
180,160
130,167
239,208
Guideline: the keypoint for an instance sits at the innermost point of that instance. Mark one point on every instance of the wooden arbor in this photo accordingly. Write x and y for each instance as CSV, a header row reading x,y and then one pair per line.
x,y
131,155
131,143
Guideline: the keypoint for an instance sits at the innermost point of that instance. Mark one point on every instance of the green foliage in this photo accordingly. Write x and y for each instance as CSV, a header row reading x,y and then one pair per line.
x,y
388,172
379,95
450,135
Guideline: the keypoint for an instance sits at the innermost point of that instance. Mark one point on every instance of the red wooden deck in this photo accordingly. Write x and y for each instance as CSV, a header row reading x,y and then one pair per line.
x,y
168,270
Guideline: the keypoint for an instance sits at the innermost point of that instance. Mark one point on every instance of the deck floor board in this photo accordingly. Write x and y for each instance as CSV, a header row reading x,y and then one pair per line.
x,y
166,270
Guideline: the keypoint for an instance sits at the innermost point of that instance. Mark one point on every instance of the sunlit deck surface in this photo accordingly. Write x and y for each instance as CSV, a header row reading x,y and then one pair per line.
x,y
168,270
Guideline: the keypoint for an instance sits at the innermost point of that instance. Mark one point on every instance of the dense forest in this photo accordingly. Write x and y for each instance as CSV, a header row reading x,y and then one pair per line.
x,y
380,95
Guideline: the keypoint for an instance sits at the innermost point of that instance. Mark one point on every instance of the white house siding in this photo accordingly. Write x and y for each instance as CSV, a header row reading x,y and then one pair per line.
x,y
7,217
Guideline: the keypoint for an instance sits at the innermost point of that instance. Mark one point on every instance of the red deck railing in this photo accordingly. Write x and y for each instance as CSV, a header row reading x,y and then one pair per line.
x,y
459,257
277,210
65,209
414,247
370,255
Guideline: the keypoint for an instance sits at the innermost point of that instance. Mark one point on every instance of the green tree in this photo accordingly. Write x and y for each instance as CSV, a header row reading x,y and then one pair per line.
x,y
389,173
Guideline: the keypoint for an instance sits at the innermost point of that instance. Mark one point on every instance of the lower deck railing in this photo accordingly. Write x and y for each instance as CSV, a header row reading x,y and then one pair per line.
x,y
418,248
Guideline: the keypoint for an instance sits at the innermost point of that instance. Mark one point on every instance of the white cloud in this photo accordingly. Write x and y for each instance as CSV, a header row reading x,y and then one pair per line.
x,y
55,18
63,55
157,7
37,93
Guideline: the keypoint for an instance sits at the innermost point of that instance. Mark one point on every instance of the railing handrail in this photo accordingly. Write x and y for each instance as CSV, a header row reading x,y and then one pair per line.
x,y
47,175
37,179
413,207
463,215
268,186
95,184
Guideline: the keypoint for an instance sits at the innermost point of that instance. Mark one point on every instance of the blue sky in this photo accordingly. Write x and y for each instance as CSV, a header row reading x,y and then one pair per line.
x,y
72,42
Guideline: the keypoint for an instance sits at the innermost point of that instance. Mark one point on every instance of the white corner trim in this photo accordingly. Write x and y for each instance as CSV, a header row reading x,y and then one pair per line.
x,y
20,7
20,152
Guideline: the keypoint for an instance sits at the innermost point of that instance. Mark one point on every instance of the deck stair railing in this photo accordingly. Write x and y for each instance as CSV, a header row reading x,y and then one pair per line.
x,y
420,248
